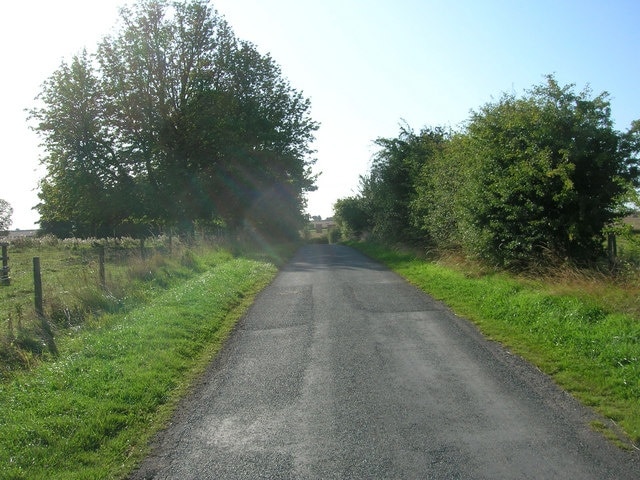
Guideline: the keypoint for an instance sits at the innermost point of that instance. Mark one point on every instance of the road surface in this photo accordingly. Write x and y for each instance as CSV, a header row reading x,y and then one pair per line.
x,y
343,370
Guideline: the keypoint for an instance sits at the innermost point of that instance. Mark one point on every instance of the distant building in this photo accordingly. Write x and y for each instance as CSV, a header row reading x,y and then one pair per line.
x,y
633,220
322,225
19,234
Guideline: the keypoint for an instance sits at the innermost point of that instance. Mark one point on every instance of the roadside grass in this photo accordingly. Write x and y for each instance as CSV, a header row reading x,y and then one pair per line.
x,y
582,331
90,412
73,293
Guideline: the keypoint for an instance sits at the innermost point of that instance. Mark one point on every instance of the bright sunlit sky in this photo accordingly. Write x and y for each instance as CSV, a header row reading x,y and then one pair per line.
x,y
368,66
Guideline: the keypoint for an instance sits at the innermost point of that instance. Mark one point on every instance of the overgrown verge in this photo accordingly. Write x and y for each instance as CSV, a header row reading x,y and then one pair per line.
x,y
78,288
589,347
90,412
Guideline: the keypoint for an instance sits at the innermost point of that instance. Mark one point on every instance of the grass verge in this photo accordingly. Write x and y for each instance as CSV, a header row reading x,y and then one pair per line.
x,y
89,413
585,345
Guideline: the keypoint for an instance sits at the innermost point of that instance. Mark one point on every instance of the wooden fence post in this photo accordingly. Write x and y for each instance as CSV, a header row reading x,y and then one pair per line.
x,y
612,248
103,282
44,324
4,273
37,287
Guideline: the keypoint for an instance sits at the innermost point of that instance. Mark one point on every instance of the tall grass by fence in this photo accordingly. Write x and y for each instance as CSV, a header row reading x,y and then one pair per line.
x,y
74,282
5,280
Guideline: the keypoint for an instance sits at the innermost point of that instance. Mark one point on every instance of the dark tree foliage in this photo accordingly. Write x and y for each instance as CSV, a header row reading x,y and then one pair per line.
x,y
550,175
528,180
438,207
391,186
350,215
173,121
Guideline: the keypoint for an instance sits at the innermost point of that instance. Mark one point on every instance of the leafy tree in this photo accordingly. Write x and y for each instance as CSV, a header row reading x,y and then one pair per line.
x,y
527,180
351,216
269,132
183,123
6,211
151,68
438,204
83,173
548,174
218,128
391,186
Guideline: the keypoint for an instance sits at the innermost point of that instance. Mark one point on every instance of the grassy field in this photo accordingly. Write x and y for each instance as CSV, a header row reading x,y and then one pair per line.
x,y
583,330
89,411
72,292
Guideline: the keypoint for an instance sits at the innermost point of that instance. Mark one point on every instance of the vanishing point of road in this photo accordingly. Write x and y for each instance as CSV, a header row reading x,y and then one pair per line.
x,y
342,370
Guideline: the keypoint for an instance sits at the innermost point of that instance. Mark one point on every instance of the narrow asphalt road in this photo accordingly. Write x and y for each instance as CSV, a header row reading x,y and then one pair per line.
x,y
343,370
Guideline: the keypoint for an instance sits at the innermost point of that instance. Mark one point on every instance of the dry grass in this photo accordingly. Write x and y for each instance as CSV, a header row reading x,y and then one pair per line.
x,y
614,293
613,290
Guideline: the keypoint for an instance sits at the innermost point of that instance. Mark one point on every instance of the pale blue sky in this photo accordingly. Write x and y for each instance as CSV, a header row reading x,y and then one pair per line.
x,y
366,65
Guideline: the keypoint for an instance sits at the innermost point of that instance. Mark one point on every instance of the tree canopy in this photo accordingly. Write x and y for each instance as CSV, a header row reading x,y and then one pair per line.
x,y
391,187
527,179
173,121
550,177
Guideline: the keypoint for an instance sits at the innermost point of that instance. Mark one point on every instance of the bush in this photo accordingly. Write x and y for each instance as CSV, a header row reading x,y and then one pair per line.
x,y
548,177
